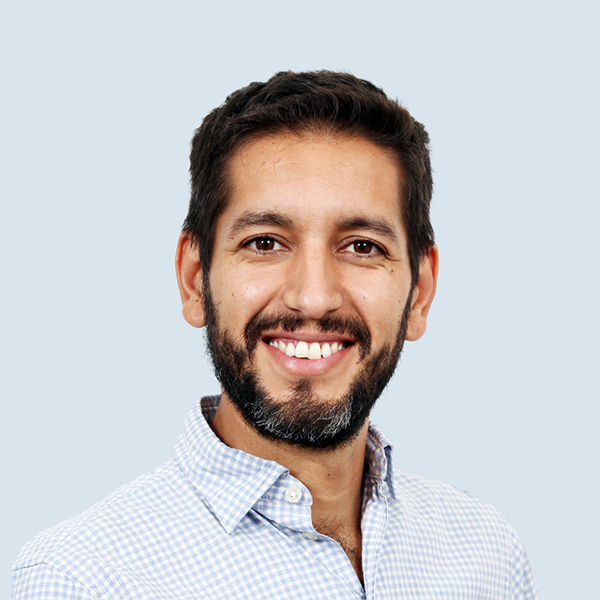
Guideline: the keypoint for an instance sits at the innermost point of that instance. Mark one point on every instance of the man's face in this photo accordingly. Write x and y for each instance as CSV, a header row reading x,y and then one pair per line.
x,y
308,298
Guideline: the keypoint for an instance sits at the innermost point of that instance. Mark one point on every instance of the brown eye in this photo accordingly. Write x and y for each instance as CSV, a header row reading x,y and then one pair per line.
x,y
363,247
264,244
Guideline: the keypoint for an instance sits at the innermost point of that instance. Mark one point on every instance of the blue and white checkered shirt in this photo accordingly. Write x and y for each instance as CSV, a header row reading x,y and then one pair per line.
x,y
217,523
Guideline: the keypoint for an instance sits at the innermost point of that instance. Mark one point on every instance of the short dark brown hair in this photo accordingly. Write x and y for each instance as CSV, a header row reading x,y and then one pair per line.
x,y
321,101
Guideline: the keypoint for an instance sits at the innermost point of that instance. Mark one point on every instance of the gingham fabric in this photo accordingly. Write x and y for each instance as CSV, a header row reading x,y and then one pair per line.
x,y
217,523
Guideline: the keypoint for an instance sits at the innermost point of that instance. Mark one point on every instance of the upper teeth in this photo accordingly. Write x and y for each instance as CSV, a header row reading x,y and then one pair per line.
x,y
303,350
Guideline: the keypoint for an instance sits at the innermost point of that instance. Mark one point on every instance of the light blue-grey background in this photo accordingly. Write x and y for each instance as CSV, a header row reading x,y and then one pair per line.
x,y
98,104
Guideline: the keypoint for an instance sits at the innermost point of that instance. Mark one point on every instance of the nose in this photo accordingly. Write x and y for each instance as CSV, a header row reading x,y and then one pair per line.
x,y
313,284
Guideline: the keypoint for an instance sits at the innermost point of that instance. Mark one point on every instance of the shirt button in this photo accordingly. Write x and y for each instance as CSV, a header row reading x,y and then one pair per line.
x,y
310,536
293,494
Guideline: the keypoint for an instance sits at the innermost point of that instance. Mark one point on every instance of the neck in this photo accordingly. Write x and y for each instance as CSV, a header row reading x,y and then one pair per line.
x,y
333,477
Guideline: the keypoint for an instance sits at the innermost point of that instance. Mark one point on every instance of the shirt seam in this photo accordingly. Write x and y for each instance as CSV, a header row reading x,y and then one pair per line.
x,y
55,568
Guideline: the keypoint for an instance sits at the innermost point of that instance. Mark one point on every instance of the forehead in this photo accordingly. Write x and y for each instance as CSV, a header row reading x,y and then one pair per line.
x,y
314,177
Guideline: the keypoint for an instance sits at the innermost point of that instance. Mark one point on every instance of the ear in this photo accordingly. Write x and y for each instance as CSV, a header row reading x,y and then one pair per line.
x,y
189,278
423,295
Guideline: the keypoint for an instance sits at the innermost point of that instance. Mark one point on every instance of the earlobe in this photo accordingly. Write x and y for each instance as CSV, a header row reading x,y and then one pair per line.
x,y
423,295
189,278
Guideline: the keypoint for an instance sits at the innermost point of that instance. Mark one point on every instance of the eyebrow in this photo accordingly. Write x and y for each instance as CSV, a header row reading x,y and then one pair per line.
x,y
380,226
257,219
261,218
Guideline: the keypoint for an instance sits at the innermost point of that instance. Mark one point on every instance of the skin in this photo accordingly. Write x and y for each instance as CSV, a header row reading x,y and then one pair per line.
x,y
313,227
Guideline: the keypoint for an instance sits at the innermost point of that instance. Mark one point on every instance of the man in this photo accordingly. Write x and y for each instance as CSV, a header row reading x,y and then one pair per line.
x,y
308,255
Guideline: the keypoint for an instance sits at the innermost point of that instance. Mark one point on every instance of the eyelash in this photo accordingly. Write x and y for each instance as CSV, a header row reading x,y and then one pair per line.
x,y
378,249
259,238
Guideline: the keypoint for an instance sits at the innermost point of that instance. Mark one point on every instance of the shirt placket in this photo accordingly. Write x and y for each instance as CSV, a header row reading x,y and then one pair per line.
x,y
289,508
374,523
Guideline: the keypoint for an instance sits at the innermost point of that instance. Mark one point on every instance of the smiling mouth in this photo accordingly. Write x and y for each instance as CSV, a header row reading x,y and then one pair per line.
x,y
310,351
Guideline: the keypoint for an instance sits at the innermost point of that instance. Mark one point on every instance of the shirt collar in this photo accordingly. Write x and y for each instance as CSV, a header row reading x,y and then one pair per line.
x,y
232,481
378,458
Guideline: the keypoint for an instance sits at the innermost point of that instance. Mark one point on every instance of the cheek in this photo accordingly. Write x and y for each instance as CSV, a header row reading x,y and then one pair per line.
x,y
380,302
242,294
254,292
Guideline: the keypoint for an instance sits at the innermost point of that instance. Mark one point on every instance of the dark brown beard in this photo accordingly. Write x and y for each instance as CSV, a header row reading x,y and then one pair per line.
x,y
303,418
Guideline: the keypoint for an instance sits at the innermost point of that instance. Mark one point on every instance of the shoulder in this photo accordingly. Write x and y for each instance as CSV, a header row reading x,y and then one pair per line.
x,y
472,540
69,555
447,508
434,513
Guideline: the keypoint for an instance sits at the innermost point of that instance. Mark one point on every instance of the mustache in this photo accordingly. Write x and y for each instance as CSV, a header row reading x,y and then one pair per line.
x,y
351,326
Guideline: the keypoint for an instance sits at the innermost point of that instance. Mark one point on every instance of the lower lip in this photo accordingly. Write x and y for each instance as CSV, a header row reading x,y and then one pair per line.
x,y
306,367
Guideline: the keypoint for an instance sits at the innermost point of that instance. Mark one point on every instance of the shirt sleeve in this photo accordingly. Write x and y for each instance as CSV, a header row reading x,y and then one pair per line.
x,y
43,582
521,576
